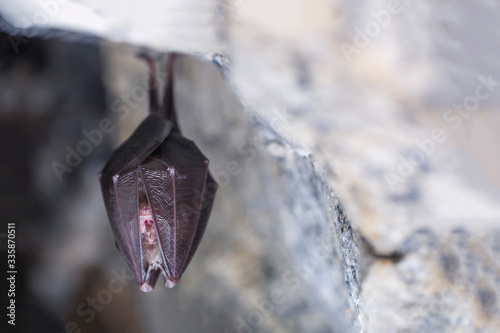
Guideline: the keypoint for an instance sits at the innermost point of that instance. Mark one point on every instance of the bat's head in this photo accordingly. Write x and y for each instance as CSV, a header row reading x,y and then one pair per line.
x,y
147,226
152,259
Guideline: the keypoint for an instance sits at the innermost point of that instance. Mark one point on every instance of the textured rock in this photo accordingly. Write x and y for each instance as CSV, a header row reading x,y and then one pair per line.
x,y
357,151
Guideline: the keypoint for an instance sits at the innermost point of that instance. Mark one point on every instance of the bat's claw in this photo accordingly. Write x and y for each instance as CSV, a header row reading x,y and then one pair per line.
x,y
148,54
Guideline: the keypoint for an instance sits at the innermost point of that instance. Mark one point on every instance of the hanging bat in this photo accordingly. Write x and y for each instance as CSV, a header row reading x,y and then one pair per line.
x,y
158,192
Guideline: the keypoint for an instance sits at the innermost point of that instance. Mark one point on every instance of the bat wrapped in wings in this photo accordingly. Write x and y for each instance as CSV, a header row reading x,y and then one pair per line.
x,y
158,193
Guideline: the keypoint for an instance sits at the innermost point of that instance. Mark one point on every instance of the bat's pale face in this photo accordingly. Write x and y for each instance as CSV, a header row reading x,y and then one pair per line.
x,y
148,230
150,249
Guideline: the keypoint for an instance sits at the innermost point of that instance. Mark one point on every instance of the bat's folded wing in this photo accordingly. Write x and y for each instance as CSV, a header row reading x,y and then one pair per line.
x,y
119,183
145,139
180,191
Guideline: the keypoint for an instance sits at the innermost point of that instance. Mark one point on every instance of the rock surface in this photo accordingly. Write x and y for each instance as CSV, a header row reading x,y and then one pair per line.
x,y
356,146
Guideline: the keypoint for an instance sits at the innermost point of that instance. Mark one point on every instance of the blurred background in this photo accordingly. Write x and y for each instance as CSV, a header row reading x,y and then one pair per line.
x,y
356,146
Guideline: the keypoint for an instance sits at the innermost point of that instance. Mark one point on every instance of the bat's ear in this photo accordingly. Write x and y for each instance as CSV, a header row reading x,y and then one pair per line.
x,y
116,244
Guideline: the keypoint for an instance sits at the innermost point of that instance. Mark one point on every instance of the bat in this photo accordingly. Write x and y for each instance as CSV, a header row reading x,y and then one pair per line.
x,y
158,192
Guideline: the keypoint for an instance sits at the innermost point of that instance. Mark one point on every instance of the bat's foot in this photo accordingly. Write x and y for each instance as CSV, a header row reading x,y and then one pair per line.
x,y
147,54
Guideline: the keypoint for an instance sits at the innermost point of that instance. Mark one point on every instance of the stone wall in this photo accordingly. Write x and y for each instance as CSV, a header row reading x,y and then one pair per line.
x,y
356,145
